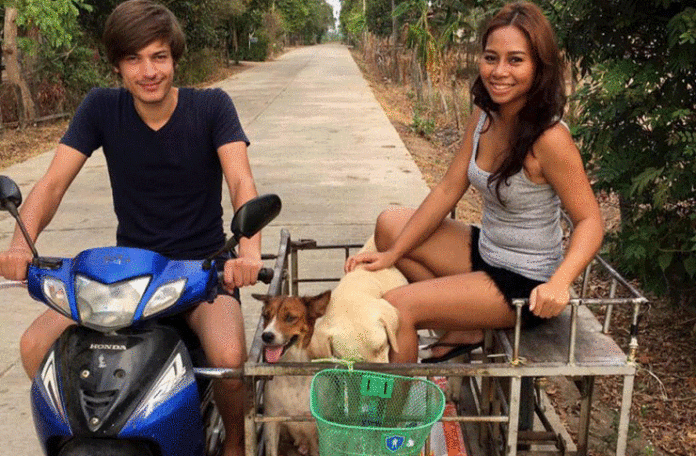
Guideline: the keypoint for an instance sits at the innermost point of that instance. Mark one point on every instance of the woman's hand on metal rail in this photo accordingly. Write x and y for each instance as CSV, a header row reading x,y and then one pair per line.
x,y
548,299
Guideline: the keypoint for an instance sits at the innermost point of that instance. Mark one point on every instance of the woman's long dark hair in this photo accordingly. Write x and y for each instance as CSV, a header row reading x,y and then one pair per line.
x,y
546,98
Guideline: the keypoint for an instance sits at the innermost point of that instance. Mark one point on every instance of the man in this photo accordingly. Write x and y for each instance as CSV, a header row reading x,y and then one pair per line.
x,y
167,149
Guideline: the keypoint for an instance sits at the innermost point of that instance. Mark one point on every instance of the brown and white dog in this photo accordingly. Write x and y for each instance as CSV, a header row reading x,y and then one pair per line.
x,y
359,324
288,327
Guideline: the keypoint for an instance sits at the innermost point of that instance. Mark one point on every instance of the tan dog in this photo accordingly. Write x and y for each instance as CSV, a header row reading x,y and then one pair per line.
x,y
288,326
358,323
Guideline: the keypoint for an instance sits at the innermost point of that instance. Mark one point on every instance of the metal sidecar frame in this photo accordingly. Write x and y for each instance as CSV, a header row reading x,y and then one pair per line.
x,y
500,408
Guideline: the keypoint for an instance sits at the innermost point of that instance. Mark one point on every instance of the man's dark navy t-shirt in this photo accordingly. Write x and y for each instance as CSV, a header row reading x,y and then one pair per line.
x,y
166,184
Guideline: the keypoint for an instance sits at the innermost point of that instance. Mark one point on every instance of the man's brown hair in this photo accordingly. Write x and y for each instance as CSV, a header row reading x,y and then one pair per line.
x,y
135,24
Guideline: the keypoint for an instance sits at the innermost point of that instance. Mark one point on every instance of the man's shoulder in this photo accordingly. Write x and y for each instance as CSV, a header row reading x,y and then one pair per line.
x,y
101,96
107,92
206,94
208,101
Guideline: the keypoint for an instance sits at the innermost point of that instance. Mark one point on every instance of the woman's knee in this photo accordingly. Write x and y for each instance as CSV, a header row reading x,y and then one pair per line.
x,y
401,303
389,224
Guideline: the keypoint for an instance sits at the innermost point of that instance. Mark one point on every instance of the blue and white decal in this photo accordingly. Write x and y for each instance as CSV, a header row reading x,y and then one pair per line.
x,y
49,380
394,442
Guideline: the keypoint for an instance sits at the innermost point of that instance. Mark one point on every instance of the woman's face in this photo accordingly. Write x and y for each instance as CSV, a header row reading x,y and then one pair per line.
x,y
507,67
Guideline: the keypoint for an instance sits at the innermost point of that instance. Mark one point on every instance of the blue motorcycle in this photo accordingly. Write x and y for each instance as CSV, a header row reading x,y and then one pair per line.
x,y
122,381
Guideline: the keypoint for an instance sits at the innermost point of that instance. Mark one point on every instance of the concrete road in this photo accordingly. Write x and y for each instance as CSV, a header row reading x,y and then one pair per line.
x,y
320,140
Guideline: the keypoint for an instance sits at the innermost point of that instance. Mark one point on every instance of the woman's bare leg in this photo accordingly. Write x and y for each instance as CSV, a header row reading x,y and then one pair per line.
x,y
463,302
446,252
443,293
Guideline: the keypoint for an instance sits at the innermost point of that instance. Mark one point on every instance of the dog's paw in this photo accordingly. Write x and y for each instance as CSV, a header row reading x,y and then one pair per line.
x,y
454,389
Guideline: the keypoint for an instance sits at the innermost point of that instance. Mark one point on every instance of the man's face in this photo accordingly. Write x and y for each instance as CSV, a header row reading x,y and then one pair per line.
x,y
149,73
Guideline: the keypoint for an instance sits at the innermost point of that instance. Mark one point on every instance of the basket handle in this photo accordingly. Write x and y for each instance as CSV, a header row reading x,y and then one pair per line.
x,y
372,385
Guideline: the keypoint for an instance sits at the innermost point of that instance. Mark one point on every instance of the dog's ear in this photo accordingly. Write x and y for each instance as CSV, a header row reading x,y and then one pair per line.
x,y
317,304
369,245
389,317
264,298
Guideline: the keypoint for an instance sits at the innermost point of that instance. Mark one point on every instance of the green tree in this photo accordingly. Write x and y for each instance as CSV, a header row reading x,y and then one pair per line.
x,y
421,36
55,21
55,56
321,19
352,20
307,20
637,127
259,31
432,27
232,17
378,16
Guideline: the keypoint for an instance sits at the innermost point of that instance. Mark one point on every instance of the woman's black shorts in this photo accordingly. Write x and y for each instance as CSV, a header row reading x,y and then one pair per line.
x,y
510,284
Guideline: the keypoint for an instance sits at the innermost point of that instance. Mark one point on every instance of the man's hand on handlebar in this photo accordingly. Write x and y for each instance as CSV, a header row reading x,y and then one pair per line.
x,y
240,272
14,262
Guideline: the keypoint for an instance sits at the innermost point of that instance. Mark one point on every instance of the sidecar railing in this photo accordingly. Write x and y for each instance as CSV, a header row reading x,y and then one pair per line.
x,y
501,392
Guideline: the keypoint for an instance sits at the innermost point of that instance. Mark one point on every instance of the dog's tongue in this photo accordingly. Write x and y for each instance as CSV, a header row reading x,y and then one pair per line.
x,y
272,353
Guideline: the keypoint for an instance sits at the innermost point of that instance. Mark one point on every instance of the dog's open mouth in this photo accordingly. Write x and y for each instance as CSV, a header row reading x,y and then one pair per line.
x,y
273,353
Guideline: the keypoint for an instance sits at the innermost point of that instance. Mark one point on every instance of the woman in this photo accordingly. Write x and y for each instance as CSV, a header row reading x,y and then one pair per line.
x,y
523,161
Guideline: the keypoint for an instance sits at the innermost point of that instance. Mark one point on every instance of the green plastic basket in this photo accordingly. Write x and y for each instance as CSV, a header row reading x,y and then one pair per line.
x,y
370,413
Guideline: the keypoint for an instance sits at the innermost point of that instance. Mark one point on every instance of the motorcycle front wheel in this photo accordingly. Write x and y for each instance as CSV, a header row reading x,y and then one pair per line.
x,y
214,428
106,447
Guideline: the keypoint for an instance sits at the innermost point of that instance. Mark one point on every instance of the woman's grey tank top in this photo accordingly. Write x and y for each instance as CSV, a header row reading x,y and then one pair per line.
x,y
525,234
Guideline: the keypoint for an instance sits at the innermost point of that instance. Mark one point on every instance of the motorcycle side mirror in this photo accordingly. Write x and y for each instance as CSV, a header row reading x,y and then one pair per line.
x,y
248,220
10,199
10,195
254,215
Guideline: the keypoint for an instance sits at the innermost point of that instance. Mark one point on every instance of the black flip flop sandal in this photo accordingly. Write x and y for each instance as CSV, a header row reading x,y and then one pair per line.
x,y
458,350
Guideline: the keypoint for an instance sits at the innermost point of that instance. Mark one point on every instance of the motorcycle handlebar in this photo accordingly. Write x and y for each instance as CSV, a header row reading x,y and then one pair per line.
x,y
12,284
265,275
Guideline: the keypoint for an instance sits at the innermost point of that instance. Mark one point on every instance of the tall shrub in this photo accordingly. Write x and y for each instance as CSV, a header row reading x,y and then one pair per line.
x,y
637,127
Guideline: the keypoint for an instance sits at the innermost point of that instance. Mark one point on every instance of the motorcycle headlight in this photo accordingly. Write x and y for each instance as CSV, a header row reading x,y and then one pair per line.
x,y
164,297
108,307
54,291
